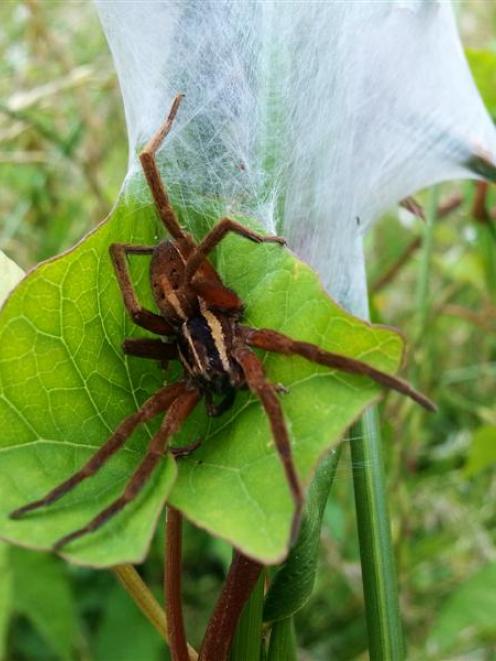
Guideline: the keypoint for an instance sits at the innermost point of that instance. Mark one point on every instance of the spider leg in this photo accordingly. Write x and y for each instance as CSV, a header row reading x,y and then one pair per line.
x,y
157,403
150,348
179,410
142,317
152,174
185,450
271,340
255,378
215,236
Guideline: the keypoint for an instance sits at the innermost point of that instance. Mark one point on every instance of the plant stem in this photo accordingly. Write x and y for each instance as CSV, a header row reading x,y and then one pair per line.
x,y
283,641
425,264
241,579
487,250
486,235
132,582
172,586
376,552
248,637
443,211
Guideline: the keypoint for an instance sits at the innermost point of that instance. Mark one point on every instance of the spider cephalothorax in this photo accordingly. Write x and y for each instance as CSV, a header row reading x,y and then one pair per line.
x,y
201,320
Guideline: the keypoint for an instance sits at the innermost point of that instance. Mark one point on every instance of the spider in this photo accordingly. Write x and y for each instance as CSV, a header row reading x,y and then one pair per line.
x,y
201,319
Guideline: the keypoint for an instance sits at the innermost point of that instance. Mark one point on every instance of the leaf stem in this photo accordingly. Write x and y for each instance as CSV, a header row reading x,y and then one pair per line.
x,y
376,552
172,586
241,579
134,585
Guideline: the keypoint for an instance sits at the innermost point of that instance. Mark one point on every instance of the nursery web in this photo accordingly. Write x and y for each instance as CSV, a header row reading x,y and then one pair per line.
x,y
311,117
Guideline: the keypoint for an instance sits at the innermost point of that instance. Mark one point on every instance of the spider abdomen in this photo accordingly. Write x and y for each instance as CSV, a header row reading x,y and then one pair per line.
x,y
205,349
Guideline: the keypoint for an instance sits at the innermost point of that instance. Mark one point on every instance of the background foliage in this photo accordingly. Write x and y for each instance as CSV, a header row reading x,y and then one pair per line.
x,y
62,159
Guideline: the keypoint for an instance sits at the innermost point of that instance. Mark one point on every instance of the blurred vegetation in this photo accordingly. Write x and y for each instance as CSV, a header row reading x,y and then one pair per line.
x,y
63,156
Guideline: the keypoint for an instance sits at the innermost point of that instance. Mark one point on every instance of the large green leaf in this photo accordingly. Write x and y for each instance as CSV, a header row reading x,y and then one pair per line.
x,y
65,385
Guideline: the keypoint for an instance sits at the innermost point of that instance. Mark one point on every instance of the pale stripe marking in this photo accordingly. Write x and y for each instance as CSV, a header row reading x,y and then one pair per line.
x,y
217,335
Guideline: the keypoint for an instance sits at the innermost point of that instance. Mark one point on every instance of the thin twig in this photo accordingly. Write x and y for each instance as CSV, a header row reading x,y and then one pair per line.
x,y
479,205
172,588
443,211
132,582
396,267
483,319
241,579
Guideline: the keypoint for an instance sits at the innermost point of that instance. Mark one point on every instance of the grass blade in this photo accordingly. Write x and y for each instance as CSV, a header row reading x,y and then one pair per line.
x,y
283,641
376,552
248,637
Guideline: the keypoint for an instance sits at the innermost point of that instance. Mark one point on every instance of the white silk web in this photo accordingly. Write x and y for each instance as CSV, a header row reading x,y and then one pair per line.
x,y
313,117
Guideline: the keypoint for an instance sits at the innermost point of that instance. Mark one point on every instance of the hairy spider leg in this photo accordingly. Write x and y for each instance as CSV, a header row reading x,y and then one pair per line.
x,y
215,236
178,411
156,404
173,604
257,382
162,351
140,315
152,174
271,340
152,349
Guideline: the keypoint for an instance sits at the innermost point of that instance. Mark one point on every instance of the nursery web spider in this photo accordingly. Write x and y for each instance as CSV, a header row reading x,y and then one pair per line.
x,y
201,319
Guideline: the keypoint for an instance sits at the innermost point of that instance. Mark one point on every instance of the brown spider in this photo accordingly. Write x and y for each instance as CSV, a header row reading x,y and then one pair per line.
x,y
201,317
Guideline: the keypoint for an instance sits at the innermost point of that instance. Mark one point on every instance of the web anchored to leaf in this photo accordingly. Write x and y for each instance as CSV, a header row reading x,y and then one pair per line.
x,y
289,119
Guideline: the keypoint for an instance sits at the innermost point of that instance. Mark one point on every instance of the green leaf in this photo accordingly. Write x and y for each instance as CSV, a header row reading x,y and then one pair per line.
x,y
41,593
468,613
482,453
65,385
10,275
5,597
483,65
292,585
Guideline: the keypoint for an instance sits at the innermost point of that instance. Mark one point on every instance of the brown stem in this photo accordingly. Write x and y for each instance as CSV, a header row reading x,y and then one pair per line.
x,y
241,579
396,267
444,210
479,205
449,205
173,606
